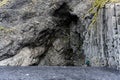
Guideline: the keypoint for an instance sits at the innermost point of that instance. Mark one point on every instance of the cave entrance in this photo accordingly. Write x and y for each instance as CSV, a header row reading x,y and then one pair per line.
x,y
65,43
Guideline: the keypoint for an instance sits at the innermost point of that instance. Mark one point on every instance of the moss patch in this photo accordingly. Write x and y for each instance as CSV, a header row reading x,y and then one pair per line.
x,y
3,2
95,9
7,30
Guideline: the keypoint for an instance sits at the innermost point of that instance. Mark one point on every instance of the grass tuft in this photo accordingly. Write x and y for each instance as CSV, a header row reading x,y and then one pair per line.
x,y
95,9
3,2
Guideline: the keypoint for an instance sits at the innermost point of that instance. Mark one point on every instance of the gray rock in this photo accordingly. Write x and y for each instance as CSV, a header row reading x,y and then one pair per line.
x,y
54,32
43,24
101,44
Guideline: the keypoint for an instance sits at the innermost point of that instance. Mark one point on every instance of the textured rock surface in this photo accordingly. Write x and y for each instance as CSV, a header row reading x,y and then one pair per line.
x,y
53,32
41,32
101,44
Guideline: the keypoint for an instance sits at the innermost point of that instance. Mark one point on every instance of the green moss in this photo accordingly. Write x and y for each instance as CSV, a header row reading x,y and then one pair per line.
x,y
95,9
7,30
3,2
2,28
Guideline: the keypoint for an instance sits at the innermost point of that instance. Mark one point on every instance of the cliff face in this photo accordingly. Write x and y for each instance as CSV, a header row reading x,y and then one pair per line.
x,y
40,32
53,32
101,44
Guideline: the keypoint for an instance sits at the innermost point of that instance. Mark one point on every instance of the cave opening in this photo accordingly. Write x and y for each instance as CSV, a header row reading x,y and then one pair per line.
x,y
62,44
65,15
64,20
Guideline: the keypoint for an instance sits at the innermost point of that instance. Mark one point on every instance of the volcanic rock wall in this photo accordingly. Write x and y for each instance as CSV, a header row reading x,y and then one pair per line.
x,y
101,44
54,32
40,32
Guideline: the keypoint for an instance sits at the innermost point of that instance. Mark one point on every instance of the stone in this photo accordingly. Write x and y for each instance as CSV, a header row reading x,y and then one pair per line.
x,y
38,32
101,44
25,57
54,33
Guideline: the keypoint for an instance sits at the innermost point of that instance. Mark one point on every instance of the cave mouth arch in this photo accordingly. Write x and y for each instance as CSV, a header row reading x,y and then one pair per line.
x,y
48,41
64,20
65,15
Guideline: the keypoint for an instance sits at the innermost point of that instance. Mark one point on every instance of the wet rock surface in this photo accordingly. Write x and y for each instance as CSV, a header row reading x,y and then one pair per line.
x,y
58,73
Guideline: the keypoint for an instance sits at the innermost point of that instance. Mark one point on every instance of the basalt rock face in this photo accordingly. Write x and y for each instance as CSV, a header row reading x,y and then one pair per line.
x,y
53,32
41,32
101,44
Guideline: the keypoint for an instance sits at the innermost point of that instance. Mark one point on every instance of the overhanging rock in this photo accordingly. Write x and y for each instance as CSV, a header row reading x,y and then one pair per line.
x,y
41,32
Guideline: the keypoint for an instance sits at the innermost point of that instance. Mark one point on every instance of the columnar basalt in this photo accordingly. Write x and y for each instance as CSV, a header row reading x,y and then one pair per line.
x,y
101,44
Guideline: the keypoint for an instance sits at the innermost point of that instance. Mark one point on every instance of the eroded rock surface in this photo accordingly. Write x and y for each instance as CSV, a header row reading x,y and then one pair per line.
x,y
41,32
101,44
54,32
